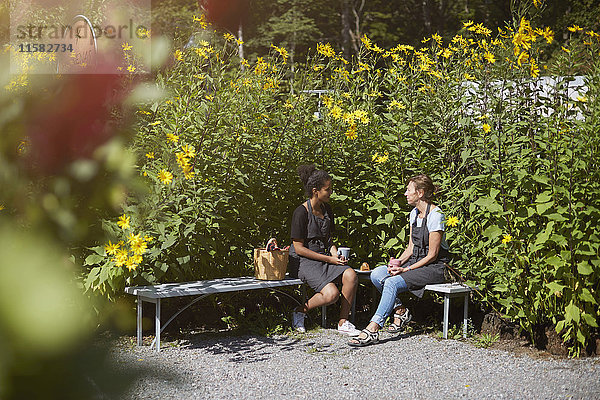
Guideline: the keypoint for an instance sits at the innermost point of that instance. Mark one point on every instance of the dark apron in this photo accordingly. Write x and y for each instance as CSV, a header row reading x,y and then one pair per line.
x,y
432,273
315,273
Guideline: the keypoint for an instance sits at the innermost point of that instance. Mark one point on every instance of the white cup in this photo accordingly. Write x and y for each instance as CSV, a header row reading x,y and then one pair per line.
x,y
344,252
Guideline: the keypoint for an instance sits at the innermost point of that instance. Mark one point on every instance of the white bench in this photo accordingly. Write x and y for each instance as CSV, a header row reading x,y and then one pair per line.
x,y
450,290
154,294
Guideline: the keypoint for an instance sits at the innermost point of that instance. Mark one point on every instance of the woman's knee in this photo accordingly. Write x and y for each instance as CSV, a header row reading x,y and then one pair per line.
x,y
330,293
349,277
378,274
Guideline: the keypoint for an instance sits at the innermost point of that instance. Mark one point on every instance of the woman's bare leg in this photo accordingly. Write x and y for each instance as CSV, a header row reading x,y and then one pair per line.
x,y
349,285
328,295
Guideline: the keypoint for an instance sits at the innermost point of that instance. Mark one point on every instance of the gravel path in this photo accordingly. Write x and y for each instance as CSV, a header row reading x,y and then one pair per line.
x,y
319,364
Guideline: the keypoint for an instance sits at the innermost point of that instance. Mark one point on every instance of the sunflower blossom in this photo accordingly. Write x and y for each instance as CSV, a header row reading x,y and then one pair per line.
x,y
123,222
165,176
111,249
452,221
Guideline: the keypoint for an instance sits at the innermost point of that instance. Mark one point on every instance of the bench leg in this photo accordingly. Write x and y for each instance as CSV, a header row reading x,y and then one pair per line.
x,y
353,312
446,313
157,325
139,320
466,315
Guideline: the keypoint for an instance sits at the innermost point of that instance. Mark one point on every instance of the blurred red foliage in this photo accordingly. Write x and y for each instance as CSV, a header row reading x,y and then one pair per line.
x,y
225,14
72,122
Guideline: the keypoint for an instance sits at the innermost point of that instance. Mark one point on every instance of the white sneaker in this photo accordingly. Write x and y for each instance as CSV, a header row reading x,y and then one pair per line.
x,y
298,321
348,328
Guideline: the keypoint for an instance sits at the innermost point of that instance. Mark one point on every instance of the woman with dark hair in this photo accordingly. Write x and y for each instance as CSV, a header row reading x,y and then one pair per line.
x,y
422,263
313,256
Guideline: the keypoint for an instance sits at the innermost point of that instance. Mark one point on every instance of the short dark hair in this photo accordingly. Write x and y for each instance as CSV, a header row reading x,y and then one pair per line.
x,y
312,177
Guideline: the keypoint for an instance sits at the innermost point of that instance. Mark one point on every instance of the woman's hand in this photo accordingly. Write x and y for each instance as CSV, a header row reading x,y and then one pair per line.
x,y
395,270
337,260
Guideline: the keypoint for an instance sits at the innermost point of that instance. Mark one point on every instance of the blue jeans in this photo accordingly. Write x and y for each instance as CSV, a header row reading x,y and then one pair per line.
x,y
389,287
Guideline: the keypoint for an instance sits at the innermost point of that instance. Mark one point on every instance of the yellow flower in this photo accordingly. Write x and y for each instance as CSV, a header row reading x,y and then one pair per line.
x,y
534,69
282,52
467,24
137,244
189,151
582,99
150,155
537,3
165,176
228,36
446,53
396,104
131,68
325,49
172,138
182,160
126,46
565,49
154,123
575,28
486,128
201,20
489,57
123,222
2,207
452,221
482,30
336,112
111,249
188,173
351,132
120,257
178,55
523,58
546,33
380,159
131,264
469,76
507,238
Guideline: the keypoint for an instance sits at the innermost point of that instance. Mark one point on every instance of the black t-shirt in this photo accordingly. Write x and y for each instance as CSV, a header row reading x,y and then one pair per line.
x,y
300,221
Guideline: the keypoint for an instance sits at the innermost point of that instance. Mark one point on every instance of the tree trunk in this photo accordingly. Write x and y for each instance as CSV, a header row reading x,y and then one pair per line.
x,y
426,17
346,36
241,44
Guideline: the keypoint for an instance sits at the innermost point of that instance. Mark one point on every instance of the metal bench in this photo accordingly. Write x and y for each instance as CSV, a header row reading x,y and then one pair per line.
x,y
154,294
450,290
202,289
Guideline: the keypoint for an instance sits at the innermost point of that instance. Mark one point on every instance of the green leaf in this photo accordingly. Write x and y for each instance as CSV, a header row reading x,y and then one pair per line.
x,y
555,287
587,296
556,217
584,268
555,261
93,259
389,217
492,231
572,313
543,197
489,203
560,326
168,242
543,207
589,320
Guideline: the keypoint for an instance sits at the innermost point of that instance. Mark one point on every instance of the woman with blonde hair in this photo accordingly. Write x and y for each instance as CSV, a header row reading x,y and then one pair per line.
x,y
422,263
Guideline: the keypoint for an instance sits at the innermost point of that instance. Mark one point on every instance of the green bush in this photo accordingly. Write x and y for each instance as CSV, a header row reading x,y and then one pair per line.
x,y
516,161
